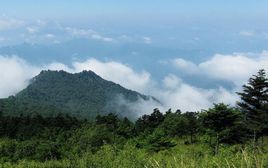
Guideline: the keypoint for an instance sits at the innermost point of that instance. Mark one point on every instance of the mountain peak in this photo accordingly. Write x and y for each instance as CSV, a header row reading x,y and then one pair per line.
x,y
48,74
87,72
83,94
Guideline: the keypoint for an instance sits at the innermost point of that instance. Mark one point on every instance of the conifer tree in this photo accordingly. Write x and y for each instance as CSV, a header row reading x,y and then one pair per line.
x,y
253,104
222,121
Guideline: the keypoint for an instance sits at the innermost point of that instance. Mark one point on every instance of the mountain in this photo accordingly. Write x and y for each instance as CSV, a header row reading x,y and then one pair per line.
x,y
83,95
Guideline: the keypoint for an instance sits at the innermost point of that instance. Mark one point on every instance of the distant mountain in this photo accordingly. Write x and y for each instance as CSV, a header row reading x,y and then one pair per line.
x,y
84,95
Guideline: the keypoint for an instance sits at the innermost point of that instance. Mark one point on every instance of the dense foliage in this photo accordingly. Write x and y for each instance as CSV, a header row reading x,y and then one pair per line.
x,y
84,95
218,137
254,104
65,141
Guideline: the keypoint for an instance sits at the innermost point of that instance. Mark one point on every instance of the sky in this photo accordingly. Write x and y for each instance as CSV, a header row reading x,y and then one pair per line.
x,y
189,54
154,8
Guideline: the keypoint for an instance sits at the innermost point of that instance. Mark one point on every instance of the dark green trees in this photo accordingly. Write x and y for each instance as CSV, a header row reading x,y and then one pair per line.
x,y
193,125
157,141
83,95
125,128
224,124
147,123
174,124
254,100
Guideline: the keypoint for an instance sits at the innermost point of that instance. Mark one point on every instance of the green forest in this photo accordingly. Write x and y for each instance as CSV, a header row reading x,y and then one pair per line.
x,y
82,95
221,136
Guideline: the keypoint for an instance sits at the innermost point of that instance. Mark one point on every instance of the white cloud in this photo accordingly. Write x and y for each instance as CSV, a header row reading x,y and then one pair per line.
x,y
32,29
56,66
116,72
147,40
108,39
79,32
99,37
222,95
124,37
41,32
175,93
180,95
137,108
185,98
87,33
171,81
41,22
49,36
246,33
14,75
236,68
185,65
8,23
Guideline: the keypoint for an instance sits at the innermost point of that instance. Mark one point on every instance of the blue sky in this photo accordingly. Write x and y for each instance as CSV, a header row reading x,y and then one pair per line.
x,y
153,8
181,50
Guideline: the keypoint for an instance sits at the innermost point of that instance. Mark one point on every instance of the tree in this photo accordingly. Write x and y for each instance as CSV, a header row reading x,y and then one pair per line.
x,y
110,121
254,100
156,141
147,123
174,124
125,128
193,124
222,121
1,122
2,129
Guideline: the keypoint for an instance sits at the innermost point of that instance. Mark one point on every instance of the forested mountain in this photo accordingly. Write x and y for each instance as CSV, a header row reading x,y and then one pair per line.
x,y
216,137
83,95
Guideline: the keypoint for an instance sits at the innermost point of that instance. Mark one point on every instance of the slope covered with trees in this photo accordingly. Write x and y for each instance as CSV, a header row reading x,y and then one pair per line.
x,y
221,136
83,95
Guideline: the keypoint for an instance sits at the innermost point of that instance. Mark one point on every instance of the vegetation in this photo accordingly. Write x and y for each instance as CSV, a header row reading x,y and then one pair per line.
x,y
254,104
221,136
83,95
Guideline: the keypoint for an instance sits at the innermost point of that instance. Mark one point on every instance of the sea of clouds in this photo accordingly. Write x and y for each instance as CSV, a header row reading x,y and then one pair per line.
x,y
172,91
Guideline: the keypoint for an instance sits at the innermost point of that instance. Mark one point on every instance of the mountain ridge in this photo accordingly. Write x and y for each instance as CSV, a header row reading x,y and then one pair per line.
x,y
83,95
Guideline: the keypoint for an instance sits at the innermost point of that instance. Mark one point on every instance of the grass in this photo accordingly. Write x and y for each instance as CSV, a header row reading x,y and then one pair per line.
x,y
181,156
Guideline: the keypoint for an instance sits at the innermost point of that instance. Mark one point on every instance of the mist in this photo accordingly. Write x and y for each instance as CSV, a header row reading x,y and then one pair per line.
x,y
172,91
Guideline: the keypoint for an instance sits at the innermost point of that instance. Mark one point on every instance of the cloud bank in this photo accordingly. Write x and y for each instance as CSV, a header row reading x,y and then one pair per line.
x,y
246,33
236,68
172,91
14,75
87,33
10,23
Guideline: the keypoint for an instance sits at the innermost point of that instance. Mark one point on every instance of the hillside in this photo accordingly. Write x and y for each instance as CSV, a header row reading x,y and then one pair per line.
x,y
83,95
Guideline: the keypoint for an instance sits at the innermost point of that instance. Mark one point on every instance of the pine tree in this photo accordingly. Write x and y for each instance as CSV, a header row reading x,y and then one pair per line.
x,y
1,123
193,124
254,99
222,121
